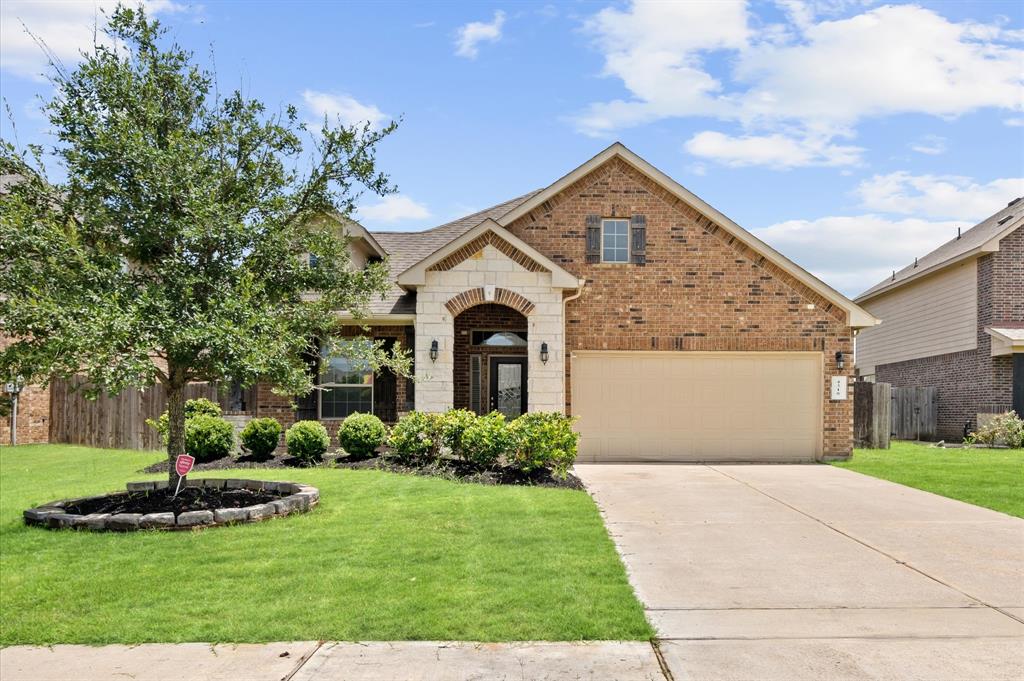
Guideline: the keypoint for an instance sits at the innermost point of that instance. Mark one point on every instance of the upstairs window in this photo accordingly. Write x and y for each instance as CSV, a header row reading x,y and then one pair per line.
x,y
615,240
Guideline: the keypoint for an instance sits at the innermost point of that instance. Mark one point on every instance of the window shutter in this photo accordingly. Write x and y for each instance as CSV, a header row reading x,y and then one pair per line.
x,y
474,383
593,238
638,234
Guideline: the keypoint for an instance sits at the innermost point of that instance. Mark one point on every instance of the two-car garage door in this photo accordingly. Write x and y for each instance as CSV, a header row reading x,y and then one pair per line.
x,y
697,406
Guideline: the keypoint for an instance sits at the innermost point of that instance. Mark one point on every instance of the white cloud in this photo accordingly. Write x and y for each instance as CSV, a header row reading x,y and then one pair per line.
x,y
394,208
938,196
853,253
932,145
472,34
818,77
1014,122
66,27
343,108
775,150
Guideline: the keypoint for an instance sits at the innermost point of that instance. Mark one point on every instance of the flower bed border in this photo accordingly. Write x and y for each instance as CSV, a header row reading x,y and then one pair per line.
x,y
299,499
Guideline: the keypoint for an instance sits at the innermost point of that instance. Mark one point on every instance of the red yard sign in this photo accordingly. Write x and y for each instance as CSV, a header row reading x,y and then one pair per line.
x,y
183,464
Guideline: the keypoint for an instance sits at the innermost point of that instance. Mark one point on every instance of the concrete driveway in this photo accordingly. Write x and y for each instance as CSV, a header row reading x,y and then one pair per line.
x,y
815,572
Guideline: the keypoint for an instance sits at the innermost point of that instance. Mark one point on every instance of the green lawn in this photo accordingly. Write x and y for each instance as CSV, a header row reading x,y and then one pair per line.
x,y
382,557
993,478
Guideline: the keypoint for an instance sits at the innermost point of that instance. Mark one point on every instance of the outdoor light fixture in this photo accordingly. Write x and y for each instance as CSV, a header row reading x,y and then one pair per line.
x,y
433,350
839,360
544,353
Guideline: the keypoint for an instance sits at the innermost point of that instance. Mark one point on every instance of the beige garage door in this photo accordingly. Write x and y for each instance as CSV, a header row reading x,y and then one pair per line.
x,y
697,406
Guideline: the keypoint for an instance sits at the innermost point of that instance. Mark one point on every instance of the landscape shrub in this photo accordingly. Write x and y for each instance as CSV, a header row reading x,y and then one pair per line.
x,y
260,437
200,406
543,440
485,439
307,440
208,438
1005,429
362,434
416,437
453,424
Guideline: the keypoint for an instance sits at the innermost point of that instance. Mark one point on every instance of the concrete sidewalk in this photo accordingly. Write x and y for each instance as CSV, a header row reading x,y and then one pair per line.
x,y
803,573
313,661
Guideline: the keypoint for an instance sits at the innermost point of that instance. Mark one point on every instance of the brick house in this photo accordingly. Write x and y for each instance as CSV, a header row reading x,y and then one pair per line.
x,y
954,319
618,296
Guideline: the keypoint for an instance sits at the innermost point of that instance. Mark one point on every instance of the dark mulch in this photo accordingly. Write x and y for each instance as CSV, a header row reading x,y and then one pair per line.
x,y
449,469
162,501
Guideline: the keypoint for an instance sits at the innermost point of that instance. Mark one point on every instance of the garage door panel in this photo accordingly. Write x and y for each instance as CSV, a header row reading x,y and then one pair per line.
x,y
698,406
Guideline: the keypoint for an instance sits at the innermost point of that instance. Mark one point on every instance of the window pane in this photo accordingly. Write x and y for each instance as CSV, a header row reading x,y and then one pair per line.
x,y
337,403
344,370
501,339
615,241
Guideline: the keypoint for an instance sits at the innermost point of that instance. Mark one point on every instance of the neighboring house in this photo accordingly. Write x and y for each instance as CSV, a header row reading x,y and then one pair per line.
x,y
955,320
618,296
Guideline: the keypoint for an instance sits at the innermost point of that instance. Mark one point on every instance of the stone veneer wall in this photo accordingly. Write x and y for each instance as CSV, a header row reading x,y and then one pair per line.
x,y
435,389
700,289
972,381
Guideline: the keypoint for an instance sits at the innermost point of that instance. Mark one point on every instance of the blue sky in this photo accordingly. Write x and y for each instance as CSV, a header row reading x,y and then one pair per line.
x,y
852,136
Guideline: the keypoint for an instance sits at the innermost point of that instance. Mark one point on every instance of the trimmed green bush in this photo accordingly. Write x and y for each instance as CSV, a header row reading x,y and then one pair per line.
x,y
197,407
543,440
453,424
208,438
486,439
307,440
260,437
416,437
362,434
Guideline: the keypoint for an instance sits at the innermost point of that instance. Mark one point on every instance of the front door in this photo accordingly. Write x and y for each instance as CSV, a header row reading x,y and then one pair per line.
x,y
508,385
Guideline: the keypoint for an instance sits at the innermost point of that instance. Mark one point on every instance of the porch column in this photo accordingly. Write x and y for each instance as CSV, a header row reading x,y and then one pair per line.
x,y
435,387
546,381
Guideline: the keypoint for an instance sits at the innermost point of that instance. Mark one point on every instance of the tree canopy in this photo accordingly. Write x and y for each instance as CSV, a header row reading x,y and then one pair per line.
x,y
177,247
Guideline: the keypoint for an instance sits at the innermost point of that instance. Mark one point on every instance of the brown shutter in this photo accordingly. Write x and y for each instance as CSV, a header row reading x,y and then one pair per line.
x,y
638,240
593,238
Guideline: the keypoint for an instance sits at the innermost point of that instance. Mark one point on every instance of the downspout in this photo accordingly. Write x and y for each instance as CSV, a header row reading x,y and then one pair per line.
x,y
580,283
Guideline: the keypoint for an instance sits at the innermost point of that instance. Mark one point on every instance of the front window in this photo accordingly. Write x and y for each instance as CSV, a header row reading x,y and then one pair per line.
x,y
615,240
346,386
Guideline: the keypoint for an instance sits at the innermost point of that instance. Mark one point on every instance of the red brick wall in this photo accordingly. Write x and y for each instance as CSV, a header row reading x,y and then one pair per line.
x,y
700,288
33,412
481,317
279,407
973,382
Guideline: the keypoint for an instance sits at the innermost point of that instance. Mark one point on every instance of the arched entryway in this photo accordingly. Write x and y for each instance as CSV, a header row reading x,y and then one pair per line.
x,y
490,359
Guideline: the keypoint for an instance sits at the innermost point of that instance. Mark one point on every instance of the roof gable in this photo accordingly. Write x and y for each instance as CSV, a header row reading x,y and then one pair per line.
x,y
858,318
487,232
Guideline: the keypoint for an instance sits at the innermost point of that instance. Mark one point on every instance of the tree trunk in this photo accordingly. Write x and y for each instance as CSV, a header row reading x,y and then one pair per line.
x,y
175,426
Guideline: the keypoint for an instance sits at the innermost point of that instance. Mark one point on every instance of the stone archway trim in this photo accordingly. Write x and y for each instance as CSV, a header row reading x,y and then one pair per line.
x,y
475,296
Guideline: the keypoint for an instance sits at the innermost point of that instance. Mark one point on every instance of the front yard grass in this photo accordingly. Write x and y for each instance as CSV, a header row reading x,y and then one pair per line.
x,y
383,557
993,478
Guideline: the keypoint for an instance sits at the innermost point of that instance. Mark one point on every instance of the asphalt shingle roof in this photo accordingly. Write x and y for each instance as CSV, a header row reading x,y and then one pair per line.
x,y
405,249
984,231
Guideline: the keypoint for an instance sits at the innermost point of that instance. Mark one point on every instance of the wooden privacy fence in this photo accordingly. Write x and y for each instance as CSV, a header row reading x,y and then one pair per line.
x,y
915,413
118,421
872,403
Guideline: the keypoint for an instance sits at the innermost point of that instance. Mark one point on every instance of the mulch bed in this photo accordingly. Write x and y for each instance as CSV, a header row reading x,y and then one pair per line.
x,y
449,469
162,501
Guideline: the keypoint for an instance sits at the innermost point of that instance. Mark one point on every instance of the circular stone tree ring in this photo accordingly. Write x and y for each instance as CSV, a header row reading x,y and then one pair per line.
x,y
273,499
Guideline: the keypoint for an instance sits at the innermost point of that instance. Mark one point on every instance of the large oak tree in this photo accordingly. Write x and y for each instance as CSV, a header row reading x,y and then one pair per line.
x,y
176,246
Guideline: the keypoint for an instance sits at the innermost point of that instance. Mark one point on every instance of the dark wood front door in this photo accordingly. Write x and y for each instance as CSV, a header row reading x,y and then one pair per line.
x,y
508,385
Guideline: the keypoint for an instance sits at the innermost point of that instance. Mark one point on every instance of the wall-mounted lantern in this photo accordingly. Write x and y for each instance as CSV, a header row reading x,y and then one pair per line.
x,y
544,353
433,350
840,363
